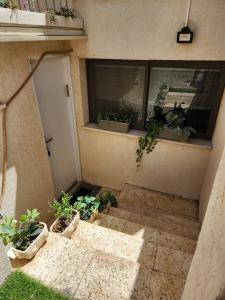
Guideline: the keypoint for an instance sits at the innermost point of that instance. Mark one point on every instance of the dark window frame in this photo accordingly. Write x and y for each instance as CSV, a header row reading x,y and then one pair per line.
x,y
220,65
91,88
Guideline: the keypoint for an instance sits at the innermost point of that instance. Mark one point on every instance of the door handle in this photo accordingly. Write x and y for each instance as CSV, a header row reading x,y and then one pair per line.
x,y
48,140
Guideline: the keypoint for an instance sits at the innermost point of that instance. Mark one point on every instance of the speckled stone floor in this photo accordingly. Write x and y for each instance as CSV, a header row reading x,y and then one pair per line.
x,y
141,250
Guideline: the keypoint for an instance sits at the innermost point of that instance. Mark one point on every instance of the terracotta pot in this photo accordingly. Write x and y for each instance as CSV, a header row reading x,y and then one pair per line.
x,y
33,248
68,231
113,126
93,217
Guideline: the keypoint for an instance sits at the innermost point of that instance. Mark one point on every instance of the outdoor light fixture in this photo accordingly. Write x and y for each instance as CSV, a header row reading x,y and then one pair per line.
x,y
185,35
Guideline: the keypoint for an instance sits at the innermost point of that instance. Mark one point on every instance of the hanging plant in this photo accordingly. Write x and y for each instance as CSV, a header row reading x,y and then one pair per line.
x,y
175,120
148,142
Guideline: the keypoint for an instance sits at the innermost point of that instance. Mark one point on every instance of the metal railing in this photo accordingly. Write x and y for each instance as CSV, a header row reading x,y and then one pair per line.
x,y
43,5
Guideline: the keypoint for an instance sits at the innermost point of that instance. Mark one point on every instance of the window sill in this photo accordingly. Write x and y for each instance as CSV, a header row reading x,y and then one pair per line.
x,y
132,133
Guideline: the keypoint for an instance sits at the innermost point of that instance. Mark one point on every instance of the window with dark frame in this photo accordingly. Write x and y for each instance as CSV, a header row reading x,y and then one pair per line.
x,y
198,86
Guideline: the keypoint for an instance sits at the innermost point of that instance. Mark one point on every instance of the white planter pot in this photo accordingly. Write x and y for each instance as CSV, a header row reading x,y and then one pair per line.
x,y
33,248
69,229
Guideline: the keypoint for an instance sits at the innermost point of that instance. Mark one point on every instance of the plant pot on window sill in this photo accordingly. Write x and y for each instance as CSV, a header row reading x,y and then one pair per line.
x,y
33,248
113,126
67,232
171,134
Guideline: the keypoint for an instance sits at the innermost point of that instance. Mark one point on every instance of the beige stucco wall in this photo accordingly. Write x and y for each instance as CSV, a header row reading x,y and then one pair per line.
x,y
218,143
29,181
146,29
206,278
143,29
108,158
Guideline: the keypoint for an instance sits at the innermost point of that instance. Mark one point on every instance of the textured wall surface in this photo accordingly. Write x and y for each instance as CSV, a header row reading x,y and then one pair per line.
x,y
5,265
29,182
108,158
146,29
218,143
206,278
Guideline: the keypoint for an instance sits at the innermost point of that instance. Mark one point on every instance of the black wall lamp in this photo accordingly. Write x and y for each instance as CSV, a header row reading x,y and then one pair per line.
x,y
185,35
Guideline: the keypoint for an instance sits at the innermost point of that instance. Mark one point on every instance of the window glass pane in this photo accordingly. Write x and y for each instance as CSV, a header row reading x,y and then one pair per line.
x,y
195,88
115,83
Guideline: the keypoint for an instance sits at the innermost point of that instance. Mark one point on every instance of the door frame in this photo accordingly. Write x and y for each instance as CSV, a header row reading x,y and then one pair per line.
x,y
71,99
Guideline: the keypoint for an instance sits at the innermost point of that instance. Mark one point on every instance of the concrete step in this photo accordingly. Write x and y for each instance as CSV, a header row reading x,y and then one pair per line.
x,y
148,233
81,272
126,214
165,225
110,241
143,201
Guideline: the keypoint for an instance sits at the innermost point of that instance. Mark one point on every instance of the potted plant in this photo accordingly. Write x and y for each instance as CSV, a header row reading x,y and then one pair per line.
x,y
106,199
176,126
67,217
87,206
118,120
27,234
172,125
64,17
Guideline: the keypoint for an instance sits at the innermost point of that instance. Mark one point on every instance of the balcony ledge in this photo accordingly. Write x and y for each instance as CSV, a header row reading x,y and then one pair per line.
x,y
20,25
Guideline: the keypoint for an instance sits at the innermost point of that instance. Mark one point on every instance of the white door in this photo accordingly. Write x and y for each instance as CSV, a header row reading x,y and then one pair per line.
x,y
53,91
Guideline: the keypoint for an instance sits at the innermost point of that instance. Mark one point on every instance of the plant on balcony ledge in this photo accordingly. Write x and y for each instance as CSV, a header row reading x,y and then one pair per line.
x,y
118,120
27,234
65,12
67,217
172,125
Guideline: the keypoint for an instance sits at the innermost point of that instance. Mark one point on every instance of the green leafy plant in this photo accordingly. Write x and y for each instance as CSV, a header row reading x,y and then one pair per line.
x,y
105,198
161,96
23,232
148,142
175,119
8,4
7,229
86,206
124,113
64,12
52,16
63,209
67,12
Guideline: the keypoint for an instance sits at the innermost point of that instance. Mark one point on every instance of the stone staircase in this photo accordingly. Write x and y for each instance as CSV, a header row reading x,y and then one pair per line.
x,y
141,250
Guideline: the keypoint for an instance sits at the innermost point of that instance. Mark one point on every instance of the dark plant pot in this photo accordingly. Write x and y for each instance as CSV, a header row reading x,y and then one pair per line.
x,y
170,134
114,126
